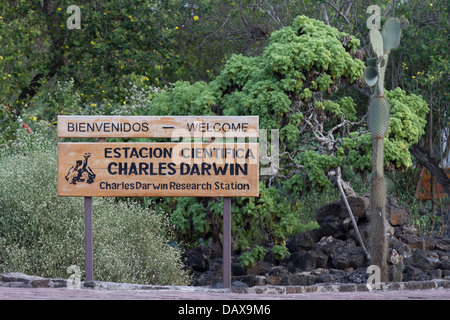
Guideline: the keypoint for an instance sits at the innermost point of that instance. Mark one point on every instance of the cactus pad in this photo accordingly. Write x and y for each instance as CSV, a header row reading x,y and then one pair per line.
x,y
371,76
391,33
377,41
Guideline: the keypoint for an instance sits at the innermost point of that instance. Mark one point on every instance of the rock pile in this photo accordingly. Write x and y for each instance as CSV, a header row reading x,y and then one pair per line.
x,y
331,253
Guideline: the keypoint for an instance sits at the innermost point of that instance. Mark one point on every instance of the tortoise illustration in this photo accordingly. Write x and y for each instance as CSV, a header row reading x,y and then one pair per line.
x,y
80,172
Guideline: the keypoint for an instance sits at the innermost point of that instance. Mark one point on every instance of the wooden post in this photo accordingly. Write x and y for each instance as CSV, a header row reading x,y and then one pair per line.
x,y
88,238
227,242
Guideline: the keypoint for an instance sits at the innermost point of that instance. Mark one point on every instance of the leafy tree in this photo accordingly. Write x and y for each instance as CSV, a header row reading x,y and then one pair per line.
x,y
119,42
294,86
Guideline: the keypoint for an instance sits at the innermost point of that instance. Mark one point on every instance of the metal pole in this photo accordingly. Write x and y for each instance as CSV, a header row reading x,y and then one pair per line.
x,y
88,251
88,243
227,242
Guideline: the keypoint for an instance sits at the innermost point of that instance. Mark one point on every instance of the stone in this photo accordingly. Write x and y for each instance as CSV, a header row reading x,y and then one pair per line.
x,y
347,288
424,260
347,224
397,216
298,280
352,258
307,261
276,275
303,261
445,264
302,241
329,245
216,249
207,278
429,242
237,269
260,268
413,241
330,209
411,273
253,280
357,204
18,279
359,275
332,226
443,244
196,261
435,274
410,229
328,278
239,284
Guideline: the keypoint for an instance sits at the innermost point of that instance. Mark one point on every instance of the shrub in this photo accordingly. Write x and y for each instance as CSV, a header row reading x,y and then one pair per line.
x,y
43,234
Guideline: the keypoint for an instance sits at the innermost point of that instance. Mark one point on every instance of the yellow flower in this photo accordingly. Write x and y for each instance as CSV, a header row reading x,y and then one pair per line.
x,y
1,58
176,28
59,9
195,18
92,42
93,105
33,118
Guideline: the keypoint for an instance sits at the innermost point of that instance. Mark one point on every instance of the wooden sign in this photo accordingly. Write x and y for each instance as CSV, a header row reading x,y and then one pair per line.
x,y
157,126
158,169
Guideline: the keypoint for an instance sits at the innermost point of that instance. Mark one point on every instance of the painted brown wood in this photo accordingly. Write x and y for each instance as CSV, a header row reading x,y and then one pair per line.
x,y
157,126
158,169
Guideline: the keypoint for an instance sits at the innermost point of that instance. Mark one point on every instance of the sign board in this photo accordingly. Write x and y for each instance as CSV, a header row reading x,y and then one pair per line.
x,y
194,169
157,126
158,169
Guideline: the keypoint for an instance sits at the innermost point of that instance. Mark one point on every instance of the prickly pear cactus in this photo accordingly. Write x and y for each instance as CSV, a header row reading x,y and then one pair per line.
x,y
378,122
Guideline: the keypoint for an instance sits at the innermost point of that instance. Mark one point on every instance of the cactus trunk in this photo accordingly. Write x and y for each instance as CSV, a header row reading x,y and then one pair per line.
x,y
377,231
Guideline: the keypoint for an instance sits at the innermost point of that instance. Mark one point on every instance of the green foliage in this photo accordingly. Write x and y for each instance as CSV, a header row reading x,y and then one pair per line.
x,y
249,258
137,41
42,234
407,122
280,252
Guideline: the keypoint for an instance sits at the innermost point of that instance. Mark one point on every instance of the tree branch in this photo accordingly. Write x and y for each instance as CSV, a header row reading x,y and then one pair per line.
x,y
428,162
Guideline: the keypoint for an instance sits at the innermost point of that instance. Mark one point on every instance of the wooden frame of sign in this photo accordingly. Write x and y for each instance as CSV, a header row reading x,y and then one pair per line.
x,y
217,168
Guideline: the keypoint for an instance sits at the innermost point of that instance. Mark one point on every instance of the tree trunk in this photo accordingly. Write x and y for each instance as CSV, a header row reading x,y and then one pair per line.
x,y
428,162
